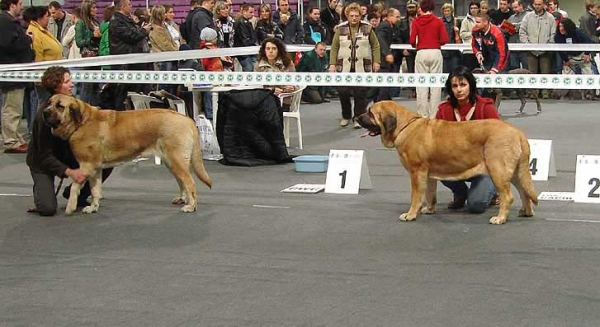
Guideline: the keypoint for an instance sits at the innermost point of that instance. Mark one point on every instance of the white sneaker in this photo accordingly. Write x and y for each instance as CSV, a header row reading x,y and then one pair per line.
x,y
356,125
344,122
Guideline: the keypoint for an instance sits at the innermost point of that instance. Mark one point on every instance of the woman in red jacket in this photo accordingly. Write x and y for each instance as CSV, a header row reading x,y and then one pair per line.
x,y
465,104
427,35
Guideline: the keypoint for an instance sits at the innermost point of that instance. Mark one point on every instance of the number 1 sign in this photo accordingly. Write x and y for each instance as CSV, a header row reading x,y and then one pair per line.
x,y
587,179
347,172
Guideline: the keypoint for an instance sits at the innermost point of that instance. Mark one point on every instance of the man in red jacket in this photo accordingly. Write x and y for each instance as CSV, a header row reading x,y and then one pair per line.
x,y
489,46
465,104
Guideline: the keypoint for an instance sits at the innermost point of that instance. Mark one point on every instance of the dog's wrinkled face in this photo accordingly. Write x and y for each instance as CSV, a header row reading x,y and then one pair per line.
x,y
380,119
63,115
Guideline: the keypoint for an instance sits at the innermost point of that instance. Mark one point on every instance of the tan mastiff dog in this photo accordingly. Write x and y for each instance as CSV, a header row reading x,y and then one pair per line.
x,y
432,149
106,138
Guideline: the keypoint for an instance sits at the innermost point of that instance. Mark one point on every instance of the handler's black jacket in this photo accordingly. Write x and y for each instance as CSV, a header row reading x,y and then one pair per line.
x,y
15,46
47,153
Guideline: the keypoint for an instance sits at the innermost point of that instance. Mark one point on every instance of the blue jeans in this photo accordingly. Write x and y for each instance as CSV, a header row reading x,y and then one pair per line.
x,y
517,59
166,66
478,196
207,104
248,63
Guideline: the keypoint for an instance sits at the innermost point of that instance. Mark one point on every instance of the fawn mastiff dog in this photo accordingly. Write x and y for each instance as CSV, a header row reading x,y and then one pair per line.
x,y
432,149
106,138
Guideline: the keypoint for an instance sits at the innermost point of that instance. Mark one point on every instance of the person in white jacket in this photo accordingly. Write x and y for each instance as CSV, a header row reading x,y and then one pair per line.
x,y
68,40
466,34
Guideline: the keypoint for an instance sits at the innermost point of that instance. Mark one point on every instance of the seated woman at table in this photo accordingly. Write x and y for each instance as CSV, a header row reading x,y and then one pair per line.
x,y
272,57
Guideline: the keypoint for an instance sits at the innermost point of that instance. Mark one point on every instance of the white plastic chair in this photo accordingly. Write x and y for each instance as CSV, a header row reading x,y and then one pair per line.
x,y
142,101
294,113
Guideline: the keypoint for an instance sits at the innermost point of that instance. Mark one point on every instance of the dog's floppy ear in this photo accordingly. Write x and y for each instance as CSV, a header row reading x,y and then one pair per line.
x,y
75,112
389,124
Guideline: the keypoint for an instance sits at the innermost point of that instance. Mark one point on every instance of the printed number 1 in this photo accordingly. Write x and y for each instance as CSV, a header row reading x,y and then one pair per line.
x,y
343,174
596,183
533,166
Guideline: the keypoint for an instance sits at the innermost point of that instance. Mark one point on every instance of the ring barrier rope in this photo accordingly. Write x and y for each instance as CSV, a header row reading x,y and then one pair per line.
x,y
199,79
32,72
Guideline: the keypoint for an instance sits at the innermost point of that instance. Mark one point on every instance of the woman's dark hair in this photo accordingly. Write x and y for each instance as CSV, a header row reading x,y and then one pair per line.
x,y
36,12
568,25
53,78
427,5
281,51
474,3
461,72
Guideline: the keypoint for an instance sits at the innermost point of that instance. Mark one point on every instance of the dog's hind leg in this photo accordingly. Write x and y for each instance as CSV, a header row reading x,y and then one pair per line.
x,y
180,168
523,182
501,172
521,95
539,106
418,182
498,100
96,190
430,197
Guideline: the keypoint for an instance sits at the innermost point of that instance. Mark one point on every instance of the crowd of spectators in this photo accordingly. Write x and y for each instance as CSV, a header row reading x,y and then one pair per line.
x,y
45,33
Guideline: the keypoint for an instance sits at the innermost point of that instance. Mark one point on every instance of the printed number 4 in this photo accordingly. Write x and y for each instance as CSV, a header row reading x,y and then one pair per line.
x,y
343,174
533,166
596,184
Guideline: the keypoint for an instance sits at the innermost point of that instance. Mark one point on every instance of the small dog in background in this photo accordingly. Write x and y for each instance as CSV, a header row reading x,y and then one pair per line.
x,y
496,94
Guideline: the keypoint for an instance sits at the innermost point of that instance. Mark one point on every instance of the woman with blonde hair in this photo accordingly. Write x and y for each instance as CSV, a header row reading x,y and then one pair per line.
x,y
161,41
224,23
265,27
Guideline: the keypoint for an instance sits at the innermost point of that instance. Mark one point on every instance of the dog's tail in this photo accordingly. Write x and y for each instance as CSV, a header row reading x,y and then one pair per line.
x,y
523,173
198,163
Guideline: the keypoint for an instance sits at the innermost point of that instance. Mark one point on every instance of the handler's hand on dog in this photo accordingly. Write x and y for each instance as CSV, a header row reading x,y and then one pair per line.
x,y
77,175
479,57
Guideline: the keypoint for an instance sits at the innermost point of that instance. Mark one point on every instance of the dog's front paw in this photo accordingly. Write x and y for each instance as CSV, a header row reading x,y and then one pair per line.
x,y
178,200
188,208
407,217
90,209
69,211
428,210
524,213
497,220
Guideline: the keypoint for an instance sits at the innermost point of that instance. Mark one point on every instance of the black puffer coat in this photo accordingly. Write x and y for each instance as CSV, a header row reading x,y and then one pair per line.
x,y
250,129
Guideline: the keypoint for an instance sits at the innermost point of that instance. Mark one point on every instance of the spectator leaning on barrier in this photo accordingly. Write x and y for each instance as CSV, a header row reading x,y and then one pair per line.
x,y
466,34
126,37
489,46
314,30
272,57
265,26
465,104
245,36
314,61
15,48
330,19
386,34
517,59
568,33
538,26
45,46
289,23
59,23
428,35
355,49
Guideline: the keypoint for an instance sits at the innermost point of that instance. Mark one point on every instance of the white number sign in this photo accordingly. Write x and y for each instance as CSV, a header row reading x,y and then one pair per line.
x,y
347,172
541,160
587,179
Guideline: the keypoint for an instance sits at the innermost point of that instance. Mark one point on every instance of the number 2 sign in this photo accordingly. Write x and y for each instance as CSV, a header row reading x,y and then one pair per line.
x,y
587,179
347,172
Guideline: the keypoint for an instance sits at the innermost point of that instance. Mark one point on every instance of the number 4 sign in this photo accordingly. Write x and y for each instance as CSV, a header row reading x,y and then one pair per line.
x,y
541,160
347,171
587,179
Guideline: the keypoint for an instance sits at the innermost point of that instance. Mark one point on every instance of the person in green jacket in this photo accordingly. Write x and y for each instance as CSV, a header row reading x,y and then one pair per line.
x,y
314,61
104,49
